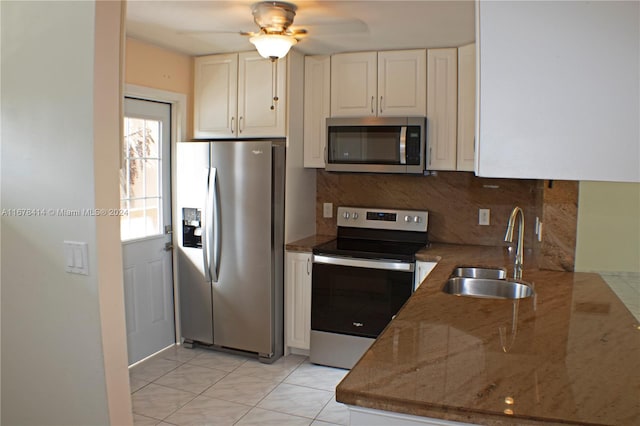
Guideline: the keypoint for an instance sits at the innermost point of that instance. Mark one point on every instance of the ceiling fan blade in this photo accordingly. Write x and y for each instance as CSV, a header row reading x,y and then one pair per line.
x,y
296,32
338,28
244,33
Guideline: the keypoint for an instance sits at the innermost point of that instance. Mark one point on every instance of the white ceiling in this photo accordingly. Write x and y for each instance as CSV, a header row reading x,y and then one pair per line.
x,y
206,27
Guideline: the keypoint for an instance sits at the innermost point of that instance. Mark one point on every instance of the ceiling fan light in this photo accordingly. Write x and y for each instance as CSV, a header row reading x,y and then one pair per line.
x,y
273,45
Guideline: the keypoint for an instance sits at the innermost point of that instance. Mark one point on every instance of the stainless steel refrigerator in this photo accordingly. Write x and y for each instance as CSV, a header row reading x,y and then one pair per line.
x,y
230,198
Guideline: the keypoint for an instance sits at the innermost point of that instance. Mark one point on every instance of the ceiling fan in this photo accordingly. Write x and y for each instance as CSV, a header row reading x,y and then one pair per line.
x,y
275,37
276,32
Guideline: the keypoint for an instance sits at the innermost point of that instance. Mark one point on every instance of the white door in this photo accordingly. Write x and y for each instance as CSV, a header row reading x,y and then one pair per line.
x,y
145,194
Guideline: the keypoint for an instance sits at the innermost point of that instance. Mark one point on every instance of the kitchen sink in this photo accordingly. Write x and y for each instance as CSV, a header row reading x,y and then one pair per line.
x,y
475,272
487,288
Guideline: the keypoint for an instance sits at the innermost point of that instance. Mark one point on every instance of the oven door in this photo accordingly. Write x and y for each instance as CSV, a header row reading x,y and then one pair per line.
x,y
355,296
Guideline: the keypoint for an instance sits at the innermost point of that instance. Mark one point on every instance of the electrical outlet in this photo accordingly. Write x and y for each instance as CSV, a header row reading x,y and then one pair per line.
x,y
484,217
327,210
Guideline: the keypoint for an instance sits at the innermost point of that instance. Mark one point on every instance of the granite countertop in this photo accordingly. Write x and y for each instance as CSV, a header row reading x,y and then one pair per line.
x,y
307,244
568,355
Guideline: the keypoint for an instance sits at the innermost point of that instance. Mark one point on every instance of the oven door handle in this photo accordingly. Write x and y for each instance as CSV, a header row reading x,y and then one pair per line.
x,y
389,265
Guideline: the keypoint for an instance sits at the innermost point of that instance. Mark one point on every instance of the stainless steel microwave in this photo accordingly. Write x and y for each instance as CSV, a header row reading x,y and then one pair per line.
x,y
376,144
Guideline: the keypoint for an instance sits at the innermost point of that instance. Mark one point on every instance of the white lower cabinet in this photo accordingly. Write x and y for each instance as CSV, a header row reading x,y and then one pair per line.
x,y
422,270
369,417
297,301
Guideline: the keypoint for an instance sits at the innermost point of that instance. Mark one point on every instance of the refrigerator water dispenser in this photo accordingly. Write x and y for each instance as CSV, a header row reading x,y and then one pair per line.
x,y
191,228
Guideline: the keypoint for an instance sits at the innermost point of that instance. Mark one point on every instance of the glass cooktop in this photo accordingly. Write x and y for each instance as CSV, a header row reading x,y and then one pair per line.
x,y
370,249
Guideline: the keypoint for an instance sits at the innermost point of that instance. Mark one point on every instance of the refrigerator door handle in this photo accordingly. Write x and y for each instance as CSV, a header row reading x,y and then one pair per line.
x,y
216,229
207,225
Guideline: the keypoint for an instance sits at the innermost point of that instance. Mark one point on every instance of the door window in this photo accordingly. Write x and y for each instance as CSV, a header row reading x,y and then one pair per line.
x,y
140,179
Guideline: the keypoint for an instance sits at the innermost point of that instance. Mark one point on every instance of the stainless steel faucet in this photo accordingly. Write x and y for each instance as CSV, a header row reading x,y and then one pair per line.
x,y
518,264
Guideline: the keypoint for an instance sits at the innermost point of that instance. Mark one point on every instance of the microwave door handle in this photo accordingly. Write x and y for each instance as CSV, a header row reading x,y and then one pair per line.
x,y
403,145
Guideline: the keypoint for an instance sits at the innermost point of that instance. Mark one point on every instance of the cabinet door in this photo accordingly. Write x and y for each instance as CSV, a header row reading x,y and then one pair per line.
x,y
317,107
402,83
354,84
422,270
259,81
215,96
565,103
442,110
466,107
297,300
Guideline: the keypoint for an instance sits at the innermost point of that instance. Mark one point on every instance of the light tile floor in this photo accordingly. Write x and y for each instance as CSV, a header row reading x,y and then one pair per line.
x,y
196,386
627,286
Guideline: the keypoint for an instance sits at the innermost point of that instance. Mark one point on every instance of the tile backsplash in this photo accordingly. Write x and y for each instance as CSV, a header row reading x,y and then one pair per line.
x,y
453,200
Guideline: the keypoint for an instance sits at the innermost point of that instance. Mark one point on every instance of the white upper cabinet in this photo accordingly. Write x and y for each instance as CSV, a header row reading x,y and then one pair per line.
x,y
465,154
317,107
354,84
234,96
442,108
559,93
261,96
378,84
215,95
402,79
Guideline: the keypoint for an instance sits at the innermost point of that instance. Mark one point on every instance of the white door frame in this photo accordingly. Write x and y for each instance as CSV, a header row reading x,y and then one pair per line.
x,y
178,103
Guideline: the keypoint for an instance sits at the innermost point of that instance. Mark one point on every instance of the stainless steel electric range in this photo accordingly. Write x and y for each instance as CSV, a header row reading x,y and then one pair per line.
x,y
361,279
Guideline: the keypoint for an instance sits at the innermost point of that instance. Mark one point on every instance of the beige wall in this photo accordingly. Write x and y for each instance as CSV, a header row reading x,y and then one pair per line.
x,y
57,336
608,227
152,66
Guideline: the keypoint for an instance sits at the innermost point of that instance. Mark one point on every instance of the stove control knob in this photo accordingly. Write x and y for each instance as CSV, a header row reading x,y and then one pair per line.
x,y
408,219
354,215
345,215
417,219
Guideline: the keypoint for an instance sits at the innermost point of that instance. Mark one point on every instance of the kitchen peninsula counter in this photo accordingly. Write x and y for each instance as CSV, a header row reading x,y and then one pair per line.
x,y
568,355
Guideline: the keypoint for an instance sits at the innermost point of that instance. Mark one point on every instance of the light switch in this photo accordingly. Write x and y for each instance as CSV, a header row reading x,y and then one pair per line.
x,y
76,256
68,256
